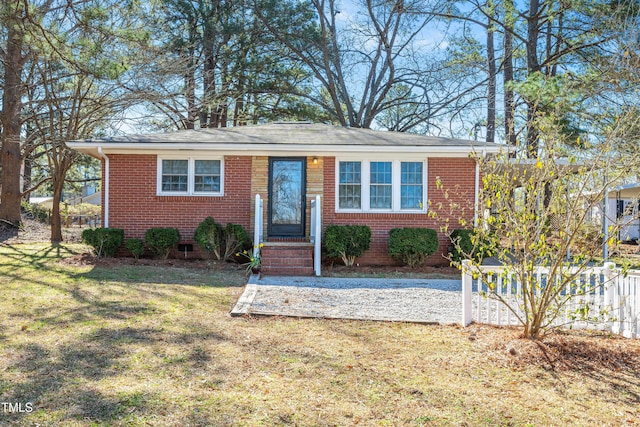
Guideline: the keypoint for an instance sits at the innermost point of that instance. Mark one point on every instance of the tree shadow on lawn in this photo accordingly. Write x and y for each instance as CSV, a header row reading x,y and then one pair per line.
x,y
56,258
55,373
41,258
59,379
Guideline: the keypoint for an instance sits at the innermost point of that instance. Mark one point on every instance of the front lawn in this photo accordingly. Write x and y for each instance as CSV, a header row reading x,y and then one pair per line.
x,y
137,345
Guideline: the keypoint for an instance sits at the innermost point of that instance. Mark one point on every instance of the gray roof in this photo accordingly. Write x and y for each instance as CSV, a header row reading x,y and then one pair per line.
x,y
626,191
273,135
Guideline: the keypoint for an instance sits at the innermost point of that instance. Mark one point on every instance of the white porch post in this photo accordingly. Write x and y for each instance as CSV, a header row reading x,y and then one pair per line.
x,y
317,248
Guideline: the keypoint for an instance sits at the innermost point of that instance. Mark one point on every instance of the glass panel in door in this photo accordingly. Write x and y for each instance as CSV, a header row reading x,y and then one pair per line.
x,y
286,197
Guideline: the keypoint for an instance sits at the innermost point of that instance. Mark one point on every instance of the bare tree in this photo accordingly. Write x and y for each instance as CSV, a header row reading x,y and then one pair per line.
x,y
355,61
65,105
54,31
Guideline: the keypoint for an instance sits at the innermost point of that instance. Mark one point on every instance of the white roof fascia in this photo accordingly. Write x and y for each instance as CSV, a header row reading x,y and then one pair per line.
x,y
258,149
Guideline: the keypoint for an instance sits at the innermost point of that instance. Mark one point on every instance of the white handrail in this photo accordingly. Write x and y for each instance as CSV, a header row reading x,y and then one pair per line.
x,y
312,227
257,228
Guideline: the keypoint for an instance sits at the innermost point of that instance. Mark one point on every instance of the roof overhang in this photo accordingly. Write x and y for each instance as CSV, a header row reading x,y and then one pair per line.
x,y
525,168
627,191
283,138
96,149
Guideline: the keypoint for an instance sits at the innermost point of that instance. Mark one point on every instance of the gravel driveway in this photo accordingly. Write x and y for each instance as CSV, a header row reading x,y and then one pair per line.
x,y
409,300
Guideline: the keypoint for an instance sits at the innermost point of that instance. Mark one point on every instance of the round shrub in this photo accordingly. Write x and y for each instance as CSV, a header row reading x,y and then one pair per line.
x,y
135,246
209,236
161,240
104,241
347,241
412,246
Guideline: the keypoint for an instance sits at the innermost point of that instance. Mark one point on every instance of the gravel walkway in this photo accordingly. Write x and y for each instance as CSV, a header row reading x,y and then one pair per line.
x,y
408,300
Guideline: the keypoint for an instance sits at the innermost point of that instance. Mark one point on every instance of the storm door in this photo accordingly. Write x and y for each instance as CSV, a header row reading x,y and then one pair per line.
x,y
286,197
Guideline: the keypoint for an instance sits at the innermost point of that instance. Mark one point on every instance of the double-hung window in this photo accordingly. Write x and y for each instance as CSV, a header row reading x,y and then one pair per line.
x,y
380,186
175,176
411,185
207,176
350,185
190,176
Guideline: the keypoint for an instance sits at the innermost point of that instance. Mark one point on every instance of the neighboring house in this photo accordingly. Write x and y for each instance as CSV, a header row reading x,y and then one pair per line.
x,y
382,179
44,201
622,210
92,199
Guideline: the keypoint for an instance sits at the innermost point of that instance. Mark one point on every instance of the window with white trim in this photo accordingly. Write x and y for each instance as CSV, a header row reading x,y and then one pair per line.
x,y
380,186
190,176
411,185
175,176
350,192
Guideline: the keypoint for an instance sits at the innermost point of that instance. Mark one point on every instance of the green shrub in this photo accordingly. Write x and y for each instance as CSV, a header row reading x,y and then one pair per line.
x,y
104,241
412,246
209,236
236,240
161,240
347,241
135,246
466,245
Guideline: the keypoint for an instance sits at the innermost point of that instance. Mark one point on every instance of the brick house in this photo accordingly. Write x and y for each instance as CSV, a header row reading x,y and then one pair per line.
x,y
357,176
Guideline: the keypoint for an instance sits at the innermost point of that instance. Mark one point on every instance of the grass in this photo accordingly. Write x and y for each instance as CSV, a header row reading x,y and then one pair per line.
x,y
134,345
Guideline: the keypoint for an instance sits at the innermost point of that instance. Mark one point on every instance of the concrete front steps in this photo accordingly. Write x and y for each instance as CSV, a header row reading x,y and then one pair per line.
x,y
284,258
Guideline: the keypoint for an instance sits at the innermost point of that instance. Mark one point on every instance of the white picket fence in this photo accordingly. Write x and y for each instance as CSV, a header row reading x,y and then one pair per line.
x,y
610,297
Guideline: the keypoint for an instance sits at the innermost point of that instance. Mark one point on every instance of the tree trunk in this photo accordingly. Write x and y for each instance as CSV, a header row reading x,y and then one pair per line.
x,y
491,87
65,159
190,83
56,220
11,101
509,125
27,174
533,66
208,77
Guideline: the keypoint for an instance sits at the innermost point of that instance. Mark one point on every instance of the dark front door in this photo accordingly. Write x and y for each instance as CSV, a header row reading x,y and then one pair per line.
x,y
286,197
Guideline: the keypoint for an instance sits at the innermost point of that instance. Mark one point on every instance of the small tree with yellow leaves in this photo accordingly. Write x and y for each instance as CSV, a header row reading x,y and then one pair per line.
x,y
537,212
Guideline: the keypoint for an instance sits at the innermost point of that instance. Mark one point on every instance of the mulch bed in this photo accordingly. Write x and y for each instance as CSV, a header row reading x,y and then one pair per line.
x,y
390,270
559,351
89,259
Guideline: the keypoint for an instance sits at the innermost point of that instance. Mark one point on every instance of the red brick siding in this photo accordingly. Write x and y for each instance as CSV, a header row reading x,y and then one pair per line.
x,y
135,207
458,180
287,260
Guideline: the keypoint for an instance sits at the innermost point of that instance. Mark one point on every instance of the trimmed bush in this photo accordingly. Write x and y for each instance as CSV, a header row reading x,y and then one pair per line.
x,y
104,241
236,240
466,246
209,236
412,246
347,241
161,240
135,246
